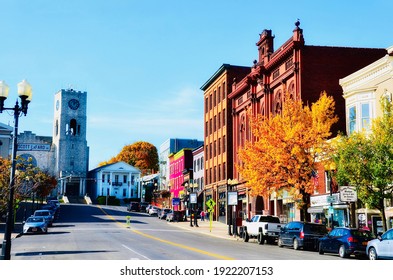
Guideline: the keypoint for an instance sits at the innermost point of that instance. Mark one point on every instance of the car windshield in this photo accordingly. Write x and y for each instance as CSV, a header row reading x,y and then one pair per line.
x,y
34,220
42,213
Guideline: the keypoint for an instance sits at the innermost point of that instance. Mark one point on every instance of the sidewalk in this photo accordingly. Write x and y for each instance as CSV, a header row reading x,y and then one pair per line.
x,y
216,229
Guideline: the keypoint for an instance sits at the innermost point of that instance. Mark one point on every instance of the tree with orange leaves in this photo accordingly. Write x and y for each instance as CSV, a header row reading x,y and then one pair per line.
x,y
286,147
142,155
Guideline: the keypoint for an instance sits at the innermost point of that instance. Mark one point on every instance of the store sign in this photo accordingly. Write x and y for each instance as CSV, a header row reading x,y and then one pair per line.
x,y
348,194
33,147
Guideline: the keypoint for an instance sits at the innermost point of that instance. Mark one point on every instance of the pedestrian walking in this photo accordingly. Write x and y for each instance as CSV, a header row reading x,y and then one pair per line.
x,y
202,216
196,217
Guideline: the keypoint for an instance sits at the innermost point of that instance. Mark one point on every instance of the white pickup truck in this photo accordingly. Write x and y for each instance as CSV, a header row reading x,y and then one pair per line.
x,y
262,227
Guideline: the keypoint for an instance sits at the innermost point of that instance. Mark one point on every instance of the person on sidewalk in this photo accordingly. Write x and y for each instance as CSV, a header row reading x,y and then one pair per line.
x,y
196,218
202,216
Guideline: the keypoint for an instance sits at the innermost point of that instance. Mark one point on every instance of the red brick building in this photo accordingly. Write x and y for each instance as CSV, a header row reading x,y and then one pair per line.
x,y
218,159
304,71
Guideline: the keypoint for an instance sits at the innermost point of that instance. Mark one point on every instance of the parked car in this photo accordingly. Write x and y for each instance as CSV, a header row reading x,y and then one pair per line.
x,y
35,225
148,208
262,227
381,247
163,212
133,206
143,206
153,211
345,242
52,208
169,216
301,235
46,214
55,202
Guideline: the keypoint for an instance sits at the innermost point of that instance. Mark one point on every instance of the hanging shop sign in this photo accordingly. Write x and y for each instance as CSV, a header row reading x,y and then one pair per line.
x,y
348,194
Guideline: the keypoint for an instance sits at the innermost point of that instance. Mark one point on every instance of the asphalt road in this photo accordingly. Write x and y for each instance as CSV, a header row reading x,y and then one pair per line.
x,y
89,232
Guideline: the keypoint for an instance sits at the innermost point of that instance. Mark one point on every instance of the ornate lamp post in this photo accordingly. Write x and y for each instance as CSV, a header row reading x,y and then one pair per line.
x,y
25,95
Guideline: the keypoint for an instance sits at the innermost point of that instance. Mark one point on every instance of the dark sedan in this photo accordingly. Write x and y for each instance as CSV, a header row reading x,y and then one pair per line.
x,y
345,242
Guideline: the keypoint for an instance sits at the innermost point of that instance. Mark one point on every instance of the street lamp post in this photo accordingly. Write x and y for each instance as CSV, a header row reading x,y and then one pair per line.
x,y
25,95
188,189
231,184
331,167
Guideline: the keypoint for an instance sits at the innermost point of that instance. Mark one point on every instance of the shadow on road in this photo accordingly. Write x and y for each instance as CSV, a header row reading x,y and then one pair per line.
x,y
61,252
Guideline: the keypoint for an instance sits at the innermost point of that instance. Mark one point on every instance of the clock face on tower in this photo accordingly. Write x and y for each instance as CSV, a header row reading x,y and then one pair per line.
x,y
73,104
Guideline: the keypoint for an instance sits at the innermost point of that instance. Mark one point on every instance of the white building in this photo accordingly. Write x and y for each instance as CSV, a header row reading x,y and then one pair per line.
x,y
363,90
117,179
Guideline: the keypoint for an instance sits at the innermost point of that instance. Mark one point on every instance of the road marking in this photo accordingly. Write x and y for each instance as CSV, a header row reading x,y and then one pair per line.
x,y
169,242
135,252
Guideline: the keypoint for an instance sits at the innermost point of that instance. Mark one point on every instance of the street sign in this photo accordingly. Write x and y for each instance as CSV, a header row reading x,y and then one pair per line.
x,y
193,198
348,194
331,199
176,201
210,204
232,198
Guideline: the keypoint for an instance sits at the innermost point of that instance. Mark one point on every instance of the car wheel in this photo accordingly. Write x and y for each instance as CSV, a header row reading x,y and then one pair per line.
x,y
261,239
341,252
295,244
245,236
320,250
279,243
372,254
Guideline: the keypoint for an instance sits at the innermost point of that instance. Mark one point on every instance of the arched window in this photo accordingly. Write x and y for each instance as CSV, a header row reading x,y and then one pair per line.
x,y
278,103
73,127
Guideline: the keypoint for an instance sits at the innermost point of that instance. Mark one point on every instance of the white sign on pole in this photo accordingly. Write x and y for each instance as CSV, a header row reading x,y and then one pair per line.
x,y
348,194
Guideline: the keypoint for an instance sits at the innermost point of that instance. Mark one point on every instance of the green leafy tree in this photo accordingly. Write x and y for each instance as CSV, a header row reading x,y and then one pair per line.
x,y
365,160
28,179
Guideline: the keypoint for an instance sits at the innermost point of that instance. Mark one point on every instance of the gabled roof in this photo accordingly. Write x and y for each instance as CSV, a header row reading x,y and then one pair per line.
x,y
121,165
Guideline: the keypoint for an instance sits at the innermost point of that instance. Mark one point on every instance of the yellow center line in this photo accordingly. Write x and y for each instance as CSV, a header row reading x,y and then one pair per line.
x,y
170,242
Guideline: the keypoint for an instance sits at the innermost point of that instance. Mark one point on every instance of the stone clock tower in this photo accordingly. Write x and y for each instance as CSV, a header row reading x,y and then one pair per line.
x,y
69,142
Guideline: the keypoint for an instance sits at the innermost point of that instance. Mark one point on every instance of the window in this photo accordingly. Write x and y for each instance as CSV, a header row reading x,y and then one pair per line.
x,y
327,181
116,178
366,116
352,120
57,127
103,177
124,179
73,127
124,192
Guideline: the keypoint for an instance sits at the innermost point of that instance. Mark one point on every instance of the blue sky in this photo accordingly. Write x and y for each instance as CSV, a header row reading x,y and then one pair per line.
x,y
142,63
